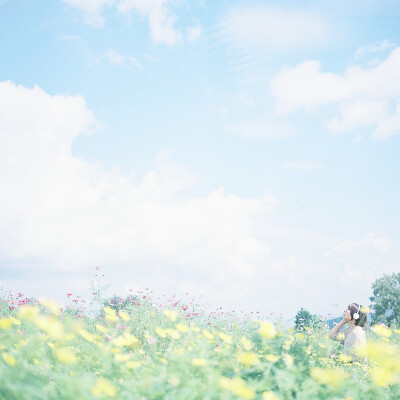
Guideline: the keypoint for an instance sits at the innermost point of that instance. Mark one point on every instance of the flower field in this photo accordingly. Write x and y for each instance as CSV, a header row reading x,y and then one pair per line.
x,y
167,351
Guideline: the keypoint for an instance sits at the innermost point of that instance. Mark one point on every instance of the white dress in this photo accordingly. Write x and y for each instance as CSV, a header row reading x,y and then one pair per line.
x,y
353,339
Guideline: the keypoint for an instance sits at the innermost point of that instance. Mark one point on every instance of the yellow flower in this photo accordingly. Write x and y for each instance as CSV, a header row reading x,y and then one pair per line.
x,y
271,357
124,316
238,387
133,364
111,315
127,340
333,377
269,396
28,312
161,332
172,333
122,357
207,334
50,325
340,336
65,355
87,335
344,358
15,321
248,358
51,305
9,359
246,343
5,323
198,362
104,388
226,338
384,377
172,315
267,330
101,328
382,331
182,328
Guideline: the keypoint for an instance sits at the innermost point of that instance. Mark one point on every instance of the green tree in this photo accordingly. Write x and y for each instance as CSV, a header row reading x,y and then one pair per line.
x,y
304,319
386,299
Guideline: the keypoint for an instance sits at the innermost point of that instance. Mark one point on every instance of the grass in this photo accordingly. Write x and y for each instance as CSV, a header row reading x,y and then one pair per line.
x,y
136,349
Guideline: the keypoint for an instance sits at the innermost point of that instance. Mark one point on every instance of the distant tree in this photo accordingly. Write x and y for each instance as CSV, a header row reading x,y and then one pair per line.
x,y
304,319
118,303
386,299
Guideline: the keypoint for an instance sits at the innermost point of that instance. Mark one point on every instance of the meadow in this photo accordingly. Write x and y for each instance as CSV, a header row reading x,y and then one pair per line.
x,y
139,348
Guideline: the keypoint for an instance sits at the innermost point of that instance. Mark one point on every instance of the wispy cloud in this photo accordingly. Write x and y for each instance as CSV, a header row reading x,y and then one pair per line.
x,y
249,35
377,47
116,58
160,17
271,27
365,96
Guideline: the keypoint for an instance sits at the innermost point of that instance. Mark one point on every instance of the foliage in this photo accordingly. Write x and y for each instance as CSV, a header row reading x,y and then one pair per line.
x,y
304,319
152,350
386,299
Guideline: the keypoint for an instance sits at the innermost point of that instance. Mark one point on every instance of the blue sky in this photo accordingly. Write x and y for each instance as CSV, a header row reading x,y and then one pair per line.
x,y
245,151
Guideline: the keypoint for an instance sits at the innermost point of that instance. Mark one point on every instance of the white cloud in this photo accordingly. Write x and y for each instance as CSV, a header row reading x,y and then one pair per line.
x,y
250,36
375,47
388,126
363,94
271,27
61,212
358,114
70,213
116,58
161,19
92,9
371,242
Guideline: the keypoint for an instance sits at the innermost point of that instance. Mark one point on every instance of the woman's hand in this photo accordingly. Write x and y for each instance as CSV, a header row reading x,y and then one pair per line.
x,y
336,328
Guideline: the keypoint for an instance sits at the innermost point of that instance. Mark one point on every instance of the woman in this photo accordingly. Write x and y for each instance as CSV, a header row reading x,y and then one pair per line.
x,y
353,336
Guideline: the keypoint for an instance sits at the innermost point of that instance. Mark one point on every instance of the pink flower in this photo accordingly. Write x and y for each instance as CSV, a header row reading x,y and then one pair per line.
x,y
69,294
108,337
184,308
151,340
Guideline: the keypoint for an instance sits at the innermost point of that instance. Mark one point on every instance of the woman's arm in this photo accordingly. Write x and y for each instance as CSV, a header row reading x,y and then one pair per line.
x,y
335,330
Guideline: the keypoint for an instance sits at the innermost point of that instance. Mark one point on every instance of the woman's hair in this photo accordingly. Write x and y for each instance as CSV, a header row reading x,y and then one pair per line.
x,y
362,320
